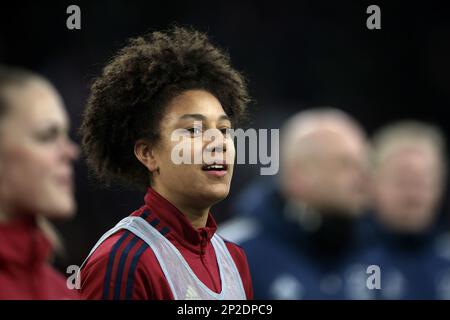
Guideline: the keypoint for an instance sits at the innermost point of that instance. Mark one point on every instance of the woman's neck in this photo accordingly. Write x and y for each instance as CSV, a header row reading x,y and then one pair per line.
x,y
197,216
3,218
5,215
198,219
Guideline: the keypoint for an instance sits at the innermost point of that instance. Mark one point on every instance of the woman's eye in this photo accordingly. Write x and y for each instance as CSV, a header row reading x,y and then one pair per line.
x,y
195,131
50,135
225,131
47,136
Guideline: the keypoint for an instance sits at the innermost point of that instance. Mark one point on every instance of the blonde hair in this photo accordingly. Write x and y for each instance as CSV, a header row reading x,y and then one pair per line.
x,y
52,234
409,133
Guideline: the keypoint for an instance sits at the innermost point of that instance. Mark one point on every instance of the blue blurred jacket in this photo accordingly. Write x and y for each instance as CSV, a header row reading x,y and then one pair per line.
x,y
288,262
413,266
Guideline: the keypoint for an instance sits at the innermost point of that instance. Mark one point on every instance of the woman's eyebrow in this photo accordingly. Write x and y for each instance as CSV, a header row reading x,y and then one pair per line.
x,y
55,125
224,117
200,117
195,116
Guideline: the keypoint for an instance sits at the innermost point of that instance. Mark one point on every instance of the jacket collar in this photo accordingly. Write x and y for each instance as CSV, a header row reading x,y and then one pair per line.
x,y
172,223
22,243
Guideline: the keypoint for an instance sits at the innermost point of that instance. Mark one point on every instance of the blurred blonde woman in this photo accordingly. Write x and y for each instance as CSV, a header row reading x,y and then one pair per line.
x,y
36,183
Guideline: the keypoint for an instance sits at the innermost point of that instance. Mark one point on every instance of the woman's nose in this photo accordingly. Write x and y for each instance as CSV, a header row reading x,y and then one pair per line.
x,y
216,142
71,150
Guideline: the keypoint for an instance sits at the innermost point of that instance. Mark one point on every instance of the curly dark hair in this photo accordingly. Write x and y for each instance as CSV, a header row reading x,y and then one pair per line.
x,y
127,101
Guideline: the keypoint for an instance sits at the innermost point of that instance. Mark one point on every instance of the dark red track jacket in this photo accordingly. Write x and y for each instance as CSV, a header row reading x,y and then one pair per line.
x,y
125,267
25,273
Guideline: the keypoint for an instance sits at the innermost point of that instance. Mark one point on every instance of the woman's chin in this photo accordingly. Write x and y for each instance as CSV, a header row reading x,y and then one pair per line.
x,y
216,193
63,209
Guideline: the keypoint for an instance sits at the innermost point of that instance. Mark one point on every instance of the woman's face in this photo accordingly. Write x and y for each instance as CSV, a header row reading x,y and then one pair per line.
x,y
194,184
36,154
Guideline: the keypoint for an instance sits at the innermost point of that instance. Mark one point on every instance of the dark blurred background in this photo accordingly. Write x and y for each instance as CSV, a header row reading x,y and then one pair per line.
x,y
295,55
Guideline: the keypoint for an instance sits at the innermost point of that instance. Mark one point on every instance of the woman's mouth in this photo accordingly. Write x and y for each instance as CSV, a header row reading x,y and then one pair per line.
x,y
65,182
216,169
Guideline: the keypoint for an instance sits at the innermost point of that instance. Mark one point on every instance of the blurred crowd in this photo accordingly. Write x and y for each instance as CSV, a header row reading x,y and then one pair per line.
x,y
347,217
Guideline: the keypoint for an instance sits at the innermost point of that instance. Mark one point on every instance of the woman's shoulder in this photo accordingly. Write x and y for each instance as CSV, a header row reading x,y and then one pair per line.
x,y
123,247
240,259
122,266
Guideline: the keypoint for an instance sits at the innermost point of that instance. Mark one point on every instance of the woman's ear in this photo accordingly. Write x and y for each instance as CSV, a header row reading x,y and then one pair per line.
x,y
145,153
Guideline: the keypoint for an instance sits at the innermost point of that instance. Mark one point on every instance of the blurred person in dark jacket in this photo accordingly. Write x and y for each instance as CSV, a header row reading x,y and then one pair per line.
x,y
299,231
36,176
408,227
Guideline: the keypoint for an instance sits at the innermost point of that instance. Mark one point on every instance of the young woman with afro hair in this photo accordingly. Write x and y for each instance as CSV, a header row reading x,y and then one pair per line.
x,y
168,248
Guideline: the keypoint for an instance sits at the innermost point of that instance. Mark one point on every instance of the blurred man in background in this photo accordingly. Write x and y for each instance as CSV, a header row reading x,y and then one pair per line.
x,y
411,245
299,233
